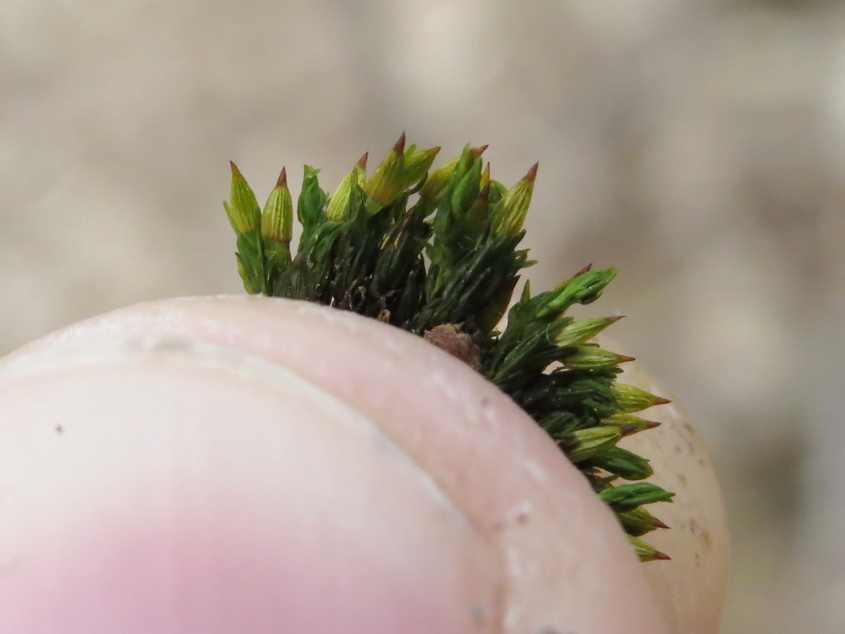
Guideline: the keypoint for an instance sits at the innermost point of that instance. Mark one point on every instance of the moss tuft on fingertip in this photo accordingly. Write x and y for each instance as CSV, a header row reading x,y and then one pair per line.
x,y
435,252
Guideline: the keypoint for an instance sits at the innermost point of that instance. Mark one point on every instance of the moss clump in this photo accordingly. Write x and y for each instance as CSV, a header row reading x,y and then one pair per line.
x,y
435,252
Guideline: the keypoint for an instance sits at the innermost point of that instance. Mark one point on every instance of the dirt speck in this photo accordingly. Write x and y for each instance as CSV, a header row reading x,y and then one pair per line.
x,y
451,339
481,613
699,530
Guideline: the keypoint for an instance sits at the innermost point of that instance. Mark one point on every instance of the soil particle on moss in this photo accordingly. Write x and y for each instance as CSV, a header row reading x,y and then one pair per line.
x,y
452,339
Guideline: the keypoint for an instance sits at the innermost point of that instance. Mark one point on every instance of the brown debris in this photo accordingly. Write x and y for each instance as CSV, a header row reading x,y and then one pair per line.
x,y
451,339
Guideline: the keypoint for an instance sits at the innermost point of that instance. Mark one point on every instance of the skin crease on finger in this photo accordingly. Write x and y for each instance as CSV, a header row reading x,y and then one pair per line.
x,y
532,549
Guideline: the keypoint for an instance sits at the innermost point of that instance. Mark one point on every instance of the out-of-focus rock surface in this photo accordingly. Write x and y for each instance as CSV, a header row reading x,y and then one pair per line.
x,y
699,146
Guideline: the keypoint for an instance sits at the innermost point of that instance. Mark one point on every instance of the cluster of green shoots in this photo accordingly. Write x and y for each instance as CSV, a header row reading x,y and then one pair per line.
x,y
435,252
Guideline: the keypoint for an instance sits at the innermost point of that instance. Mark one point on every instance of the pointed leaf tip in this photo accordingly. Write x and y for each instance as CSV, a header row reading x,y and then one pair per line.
x,y
652,424
659,400
362,162
532,173
484,194
235,170
282,181
400,144
661,556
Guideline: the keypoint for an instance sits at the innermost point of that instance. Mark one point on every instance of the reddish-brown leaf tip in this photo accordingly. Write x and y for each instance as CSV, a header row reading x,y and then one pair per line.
x,y
400,144
476,152
532,173
283,178
362,162
484,194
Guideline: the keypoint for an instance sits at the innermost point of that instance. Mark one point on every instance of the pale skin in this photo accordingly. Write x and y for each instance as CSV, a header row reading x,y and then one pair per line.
x,y
235,464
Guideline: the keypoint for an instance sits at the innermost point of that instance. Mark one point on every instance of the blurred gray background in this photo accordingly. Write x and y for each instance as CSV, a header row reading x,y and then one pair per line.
x,y
697,145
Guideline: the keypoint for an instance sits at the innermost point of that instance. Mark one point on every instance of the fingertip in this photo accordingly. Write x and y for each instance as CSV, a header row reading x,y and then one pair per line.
x,y
559,551
195,487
